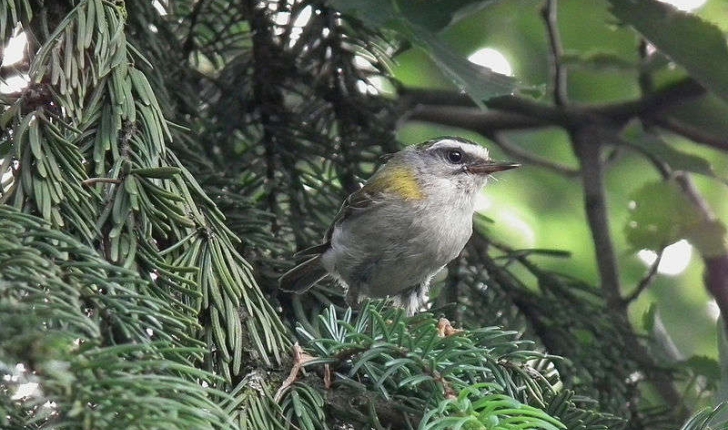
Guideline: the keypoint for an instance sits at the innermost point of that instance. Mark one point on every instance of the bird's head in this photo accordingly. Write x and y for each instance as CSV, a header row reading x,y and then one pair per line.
x,y
444,165
456,160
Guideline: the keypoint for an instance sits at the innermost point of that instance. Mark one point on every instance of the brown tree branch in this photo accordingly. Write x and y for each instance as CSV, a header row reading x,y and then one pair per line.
x,y
518,113
716,281
475,119
587,146
716,266
693,133
549,13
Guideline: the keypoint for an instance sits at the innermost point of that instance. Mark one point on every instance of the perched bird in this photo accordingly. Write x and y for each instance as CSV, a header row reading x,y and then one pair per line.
x,y
410,219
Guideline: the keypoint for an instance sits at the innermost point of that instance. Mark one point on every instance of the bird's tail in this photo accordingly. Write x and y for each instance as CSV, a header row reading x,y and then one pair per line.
x,y
302,277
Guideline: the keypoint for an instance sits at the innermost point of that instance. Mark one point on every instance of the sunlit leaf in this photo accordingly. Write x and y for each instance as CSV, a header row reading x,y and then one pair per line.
x,y
480,83
418,26
660,214
688,40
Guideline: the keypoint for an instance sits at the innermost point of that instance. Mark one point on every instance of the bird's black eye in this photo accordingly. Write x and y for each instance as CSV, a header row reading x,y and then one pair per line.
x,y
454,156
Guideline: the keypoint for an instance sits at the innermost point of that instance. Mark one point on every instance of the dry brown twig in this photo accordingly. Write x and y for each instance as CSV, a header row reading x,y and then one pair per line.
x,y
300,358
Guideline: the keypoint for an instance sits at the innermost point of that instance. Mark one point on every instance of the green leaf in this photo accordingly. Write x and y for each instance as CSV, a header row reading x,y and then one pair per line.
x,y
710,237
376,13
480,83
660,214
676,159
410,21
691,42
648,318
435,15
704,366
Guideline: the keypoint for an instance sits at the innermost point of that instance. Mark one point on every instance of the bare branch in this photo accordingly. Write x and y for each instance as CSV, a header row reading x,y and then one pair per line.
x,y
518,113
693,133
688,186
520,154
588,149
646,281
475,119
549,13
716,266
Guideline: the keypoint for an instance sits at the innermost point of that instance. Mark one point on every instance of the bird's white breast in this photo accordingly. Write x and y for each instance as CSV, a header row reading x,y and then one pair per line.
x,y
393,247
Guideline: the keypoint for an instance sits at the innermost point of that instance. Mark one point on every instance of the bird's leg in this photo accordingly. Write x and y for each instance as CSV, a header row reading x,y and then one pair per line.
x,y
352,297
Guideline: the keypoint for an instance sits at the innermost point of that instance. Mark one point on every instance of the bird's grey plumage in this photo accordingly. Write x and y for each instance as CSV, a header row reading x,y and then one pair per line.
x,y
410,219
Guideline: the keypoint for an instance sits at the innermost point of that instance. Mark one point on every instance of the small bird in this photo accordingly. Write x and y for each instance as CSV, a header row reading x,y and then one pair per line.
x,y
410,219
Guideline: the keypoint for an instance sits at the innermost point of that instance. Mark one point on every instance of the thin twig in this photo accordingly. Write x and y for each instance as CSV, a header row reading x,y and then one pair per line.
x,y
520,154
681,91
695,134
660,165
549,13
716,266
688,186
300,358
646,281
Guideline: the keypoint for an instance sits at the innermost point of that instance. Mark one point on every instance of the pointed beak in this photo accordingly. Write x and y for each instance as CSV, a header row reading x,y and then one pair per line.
x,y
488,167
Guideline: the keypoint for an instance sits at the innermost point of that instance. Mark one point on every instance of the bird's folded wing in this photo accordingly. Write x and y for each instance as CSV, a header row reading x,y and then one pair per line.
x,y
357,202
302,277
313,250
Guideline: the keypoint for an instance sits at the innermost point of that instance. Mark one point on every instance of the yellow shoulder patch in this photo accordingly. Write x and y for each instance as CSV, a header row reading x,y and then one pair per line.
x,y
400,181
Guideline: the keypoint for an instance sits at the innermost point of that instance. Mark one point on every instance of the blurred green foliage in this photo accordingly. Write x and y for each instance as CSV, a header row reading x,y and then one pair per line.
x,y
603,66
